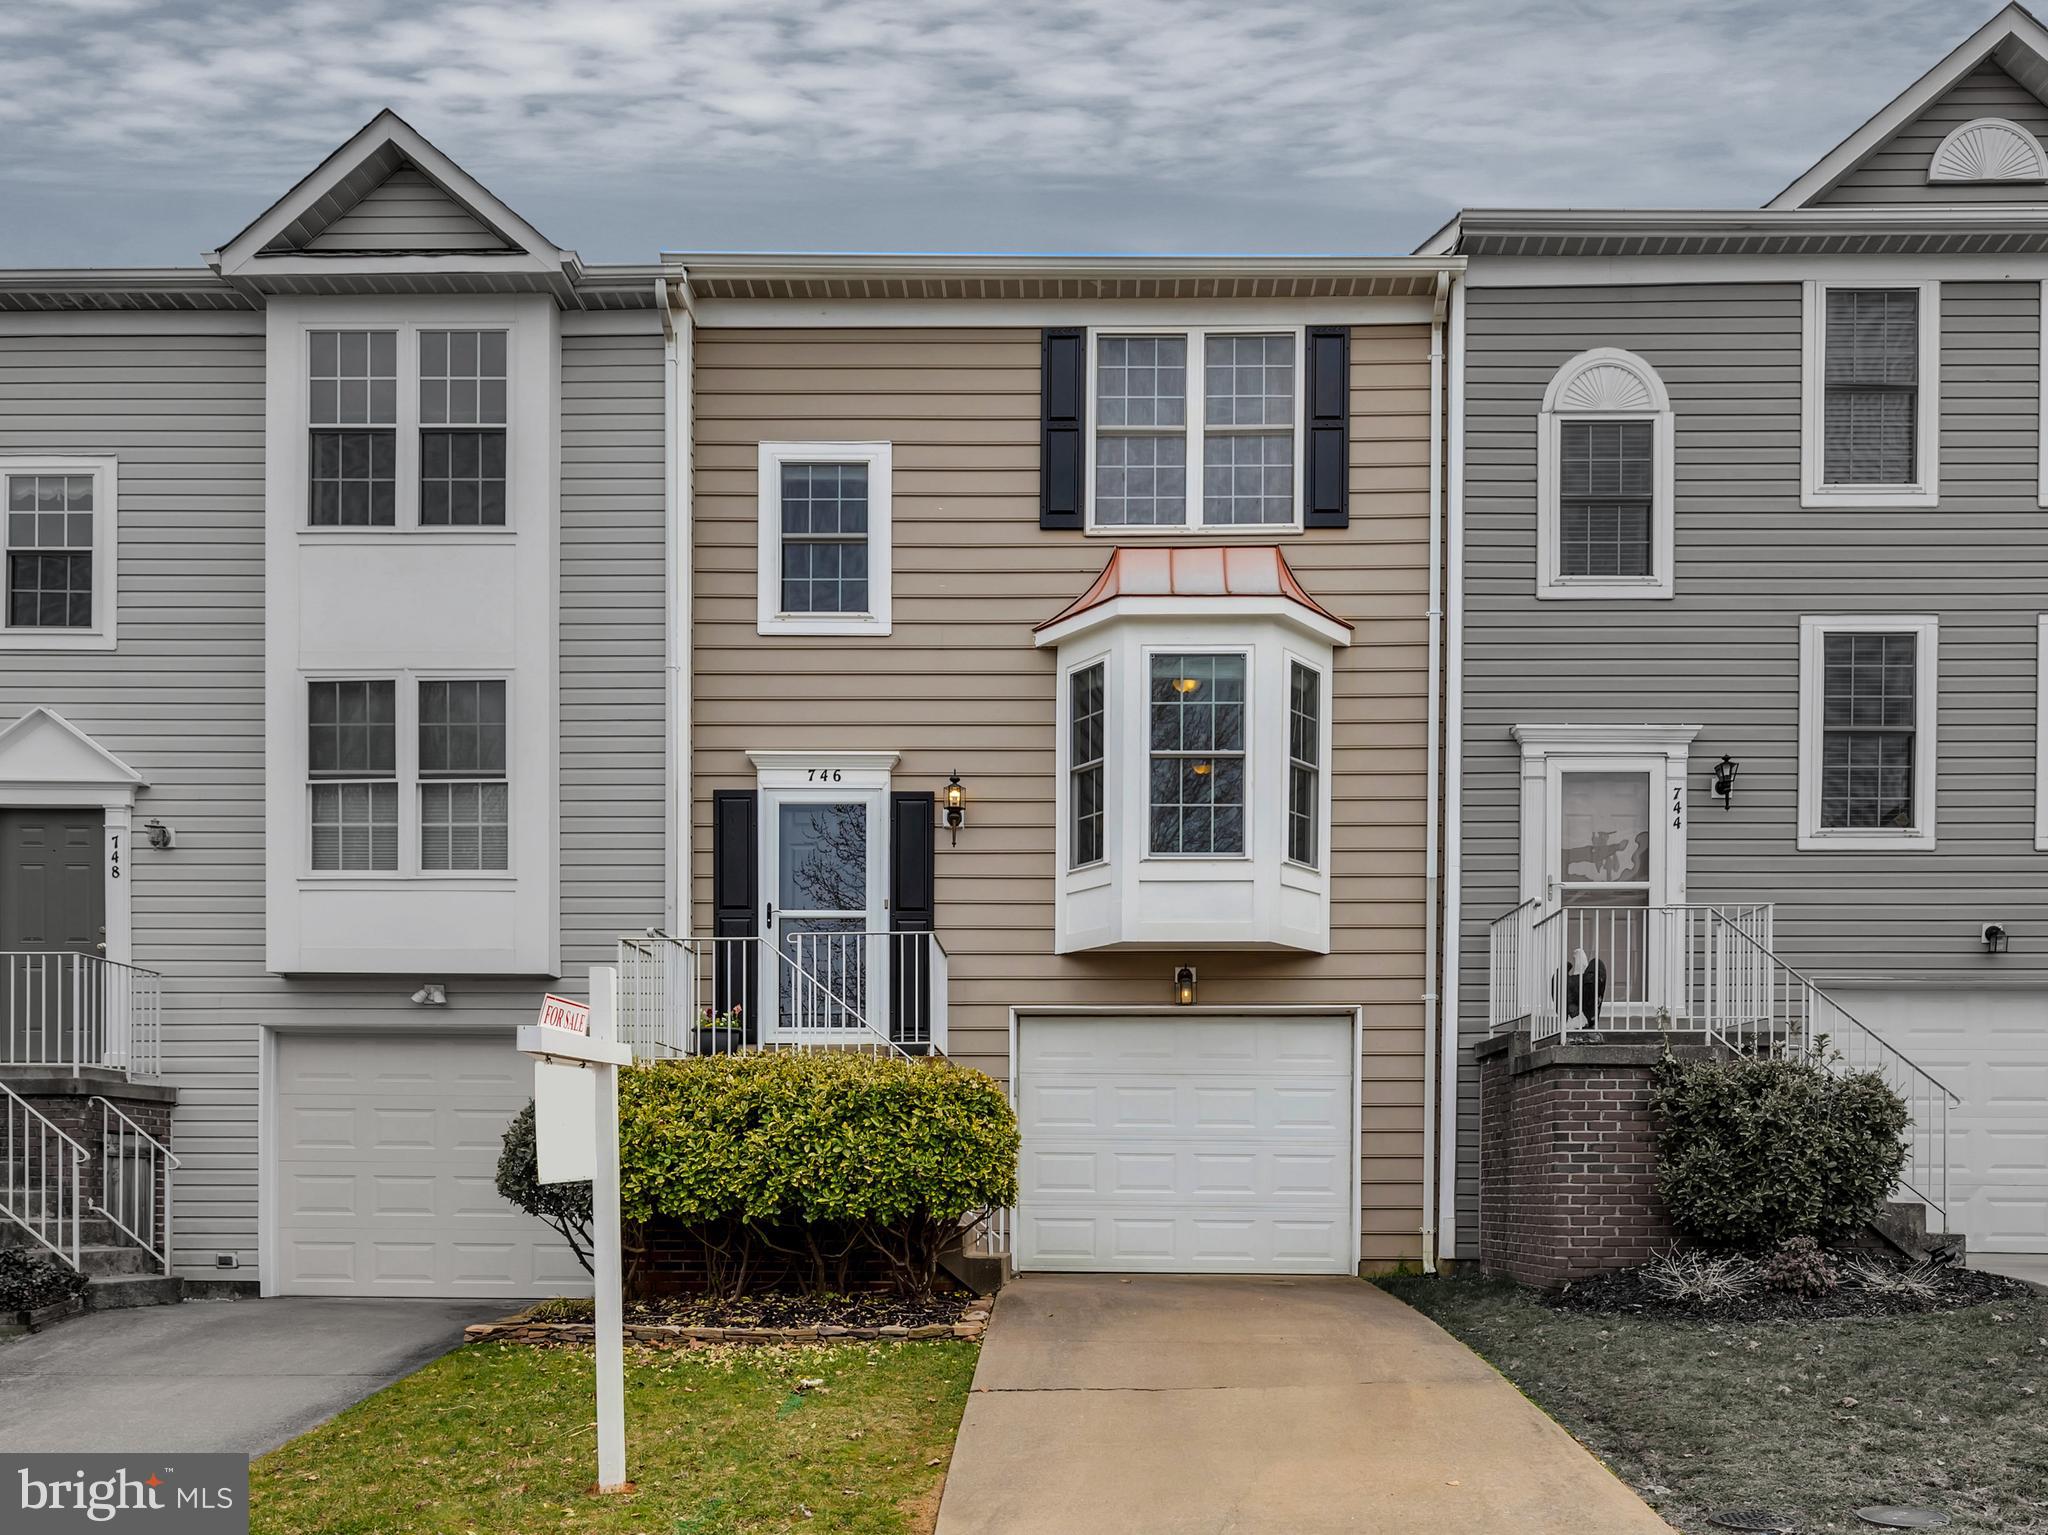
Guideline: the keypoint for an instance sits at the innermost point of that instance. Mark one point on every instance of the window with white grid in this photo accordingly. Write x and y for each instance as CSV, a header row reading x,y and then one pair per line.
x,y
465,801
462,428
1195,429
1867,724
352,765
352,410
50,542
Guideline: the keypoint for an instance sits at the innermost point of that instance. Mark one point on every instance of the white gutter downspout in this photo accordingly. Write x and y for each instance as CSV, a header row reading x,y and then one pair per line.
x,y
1430,996
1447,1164
678,329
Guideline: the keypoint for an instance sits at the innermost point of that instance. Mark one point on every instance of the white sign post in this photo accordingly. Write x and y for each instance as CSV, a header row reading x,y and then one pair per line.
x,y
560,1117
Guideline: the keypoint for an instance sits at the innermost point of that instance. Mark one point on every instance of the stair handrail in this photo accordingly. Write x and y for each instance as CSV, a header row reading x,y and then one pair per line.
x,y
171,1165
48,1128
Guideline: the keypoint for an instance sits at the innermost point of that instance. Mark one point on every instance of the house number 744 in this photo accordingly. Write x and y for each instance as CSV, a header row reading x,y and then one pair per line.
x,y
1678,808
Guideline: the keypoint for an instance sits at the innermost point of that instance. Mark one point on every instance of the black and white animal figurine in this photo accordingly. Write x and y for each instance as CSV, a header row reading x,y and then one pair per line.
x,y
1585,987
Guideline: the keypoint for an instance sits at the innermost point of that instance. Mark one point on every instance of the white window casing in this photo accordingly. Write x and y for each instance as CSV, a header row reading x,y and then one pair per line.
x,y
1134,898
408,602
1194,429
1925,487
1605,385
40,535
1813,634
873,618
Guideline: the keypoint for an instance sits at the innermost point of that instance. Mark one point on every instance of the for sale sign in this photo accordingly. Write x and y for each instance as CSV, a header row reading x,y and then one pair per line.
x,y
560,1013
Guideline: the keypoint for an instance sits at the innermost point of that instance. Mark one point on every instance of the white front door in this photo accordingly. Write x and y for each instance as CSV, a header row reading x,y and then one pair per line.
x,y
823,852
1606,870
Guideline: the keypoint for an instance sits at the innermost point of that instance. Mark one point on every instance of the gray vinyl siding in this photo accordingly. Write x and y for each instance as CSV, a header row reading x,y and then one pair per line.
x,y
406,212
1723,653
181,700
1896,172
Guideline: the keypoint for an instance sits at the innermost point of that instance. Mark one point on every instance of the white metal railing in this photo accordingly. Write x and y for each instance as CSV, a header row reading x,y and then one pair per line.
x,y
135,1183
883,992
66,1012
1710,970
41,1177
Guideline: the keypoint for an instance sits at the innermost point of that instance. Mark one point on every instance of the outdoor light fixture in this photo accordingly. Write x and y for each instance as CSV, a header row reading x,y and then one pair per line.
x,y
160,835
1184,986
956,803
433,994
1724,780
1996,939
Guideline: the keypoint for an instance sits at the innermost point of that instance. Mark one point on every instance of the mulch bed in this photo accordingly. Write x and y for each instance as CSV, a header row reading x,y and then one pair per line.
x,y
806,1311
1627,1291
697,1322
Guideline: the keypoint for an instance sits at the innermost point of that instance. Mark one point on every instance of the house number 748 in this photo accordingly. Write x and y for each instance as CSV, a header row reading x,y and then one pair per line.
x,y
821,775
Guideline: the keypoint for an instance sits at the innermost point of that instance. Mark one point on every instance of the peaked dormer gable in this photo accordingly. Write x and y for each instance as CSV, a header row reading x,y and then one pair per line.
x,y
1971,131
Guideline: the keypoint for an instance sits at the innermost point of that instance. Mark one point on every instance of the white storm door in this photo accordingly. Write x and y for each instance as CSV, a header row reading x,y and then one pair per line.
x,y
1606,870
823,868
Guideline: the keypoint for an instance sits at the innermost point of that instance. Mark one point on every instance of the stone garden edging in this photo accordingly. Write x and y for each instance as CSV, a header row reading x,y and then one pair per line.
x,y
523,1328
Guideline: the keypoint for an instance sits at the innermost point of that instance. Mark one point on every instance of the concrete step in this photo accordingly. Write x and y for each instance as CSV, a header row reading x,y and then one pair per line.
x,y
1900,1227
112,1261
120,1291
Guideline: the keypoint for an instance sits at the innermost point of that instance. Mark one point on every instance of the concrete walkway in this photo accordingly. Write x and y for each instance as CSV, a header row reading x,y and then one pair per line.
x,y
2032,1267
215,1375
1200,1406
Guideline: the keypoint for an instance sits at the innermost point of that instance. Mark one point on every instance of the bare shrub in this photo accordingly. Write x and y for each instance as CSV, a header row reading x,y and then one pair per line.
x,y
1700,1277
1921,1282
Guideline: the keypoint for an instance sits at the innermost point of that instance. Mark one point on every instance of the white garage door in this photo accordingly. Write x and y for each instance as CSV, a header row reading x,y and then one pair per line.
x,y
1991,1049
385,1168
1187,1145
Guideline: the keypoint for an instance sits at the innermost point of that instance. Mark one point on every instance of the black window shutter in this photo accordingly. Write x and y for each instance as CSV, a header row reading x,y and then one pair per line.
x,y
1063,397
735,903
1328,467
913,882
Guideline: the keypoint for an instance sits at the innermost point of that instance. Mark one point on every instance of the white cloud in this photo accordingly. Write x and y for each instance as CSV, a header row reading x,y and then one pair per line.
x,y
1197,103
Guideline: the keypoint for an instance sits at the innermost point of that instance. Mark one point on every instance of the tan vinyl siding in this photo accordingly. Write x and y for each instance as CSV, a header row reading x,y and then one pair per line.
x,y
1723,653
958,684
1896,172
181,700
406,212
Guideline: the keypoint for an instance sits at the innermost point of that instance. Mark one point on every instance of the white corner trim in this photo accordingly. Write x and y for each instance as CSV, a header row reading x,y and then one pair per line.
x,y
1813,489
769,617
1988,149
106,563
2041,452
2041,736
1927,687
1605,384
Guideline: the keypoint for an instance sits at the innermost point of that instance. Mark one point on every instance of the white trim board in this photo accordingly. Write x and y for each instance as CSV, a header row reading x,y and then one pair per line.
x,y
2041,735
796,314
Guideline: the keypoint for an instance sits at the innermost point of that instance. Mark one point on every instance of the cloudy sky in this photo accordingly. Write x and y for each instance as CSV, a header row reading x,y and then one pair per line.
x,y
146,131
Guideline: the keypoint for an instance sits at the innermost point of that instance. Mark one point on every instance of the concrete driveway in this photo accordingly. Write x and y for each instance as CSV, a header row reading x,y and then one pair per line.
x,y
1180,1405
215,1375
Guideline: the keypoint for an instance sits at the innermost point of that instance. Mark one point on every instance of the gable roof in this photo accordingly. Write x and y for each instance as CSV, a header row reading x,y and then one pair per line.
x,y
389,205
44,749
2012,39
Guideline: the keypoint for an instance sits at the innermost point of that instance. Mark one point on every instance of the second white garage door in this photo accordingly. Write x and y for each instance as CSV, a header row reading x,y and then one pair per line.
x,y
1170,1144
385,1170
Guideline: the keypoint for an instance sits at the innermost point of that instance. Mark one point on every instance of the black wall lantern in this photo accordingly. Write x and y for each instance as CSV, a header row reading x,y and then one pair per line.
x,y
1184,986
1724,780
956,811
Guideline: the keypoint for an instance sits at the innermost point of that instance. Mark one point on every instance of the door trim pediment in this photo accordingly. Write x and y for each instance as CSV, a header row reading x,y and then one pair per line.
x,y
47,760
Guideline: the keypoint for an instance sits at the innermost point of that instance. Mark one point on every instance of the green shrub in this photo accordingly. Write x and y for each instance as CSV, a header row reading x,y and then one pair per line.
x,y
564,1206
29,1281
815,1155
1751,1152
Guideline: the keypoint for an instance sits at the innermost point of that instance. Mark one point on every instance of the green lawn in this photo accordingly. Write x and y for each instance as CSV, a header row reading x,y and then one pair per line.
x,y
1815,1419
499,1440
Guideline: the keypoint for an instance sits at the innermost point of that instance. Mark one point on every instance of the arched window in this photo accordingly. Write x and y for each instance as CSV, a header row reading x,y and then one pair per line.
x,y
1604,480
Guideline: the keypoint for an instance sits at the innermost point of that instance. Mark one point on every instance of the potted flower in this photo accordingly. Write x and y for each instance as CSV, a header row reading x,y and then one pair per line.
x,y
721,1033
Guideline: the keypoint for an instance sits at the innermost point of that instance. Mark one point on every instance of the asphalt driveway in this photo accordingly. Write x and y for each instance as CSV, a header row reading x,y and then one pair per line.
x,y
215,1375
1230,1406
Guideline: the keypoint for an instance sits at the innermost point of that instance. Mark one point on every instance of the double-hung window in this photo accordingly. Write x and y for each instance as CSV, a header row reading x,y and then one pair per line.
x,y
1606,518
1195,429
59,548
384,754
407,427
1871,385
1304,762
824,538
1085,746
1196,714
1867,728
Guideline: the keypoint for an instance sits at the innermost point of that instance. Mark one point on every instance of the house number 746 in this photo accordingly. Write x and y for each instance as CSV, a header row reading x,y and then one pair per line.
x,y
822,775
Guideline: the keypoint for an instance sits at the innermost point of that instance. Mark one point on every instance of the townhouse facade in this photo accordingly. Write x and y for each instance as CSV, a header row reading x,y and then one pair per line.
x,y
1748,665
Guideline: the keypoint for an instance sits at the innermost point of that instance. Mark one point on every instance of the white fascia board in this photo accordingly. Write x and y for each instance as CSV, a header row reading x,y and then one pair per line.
x,y
2011,25
387,127
1650,271
780,266
1196,609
